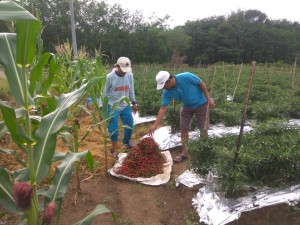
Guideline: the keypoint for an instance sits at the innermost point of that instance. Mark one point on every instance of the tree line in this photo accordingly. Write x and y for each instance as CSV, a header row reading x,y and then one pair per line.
x,y
242,36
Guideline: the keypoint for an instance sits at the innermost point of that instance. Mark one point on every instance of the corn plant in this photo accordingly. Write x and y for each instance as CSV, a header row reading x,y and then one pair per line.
x,y
102,118
35,134
70,76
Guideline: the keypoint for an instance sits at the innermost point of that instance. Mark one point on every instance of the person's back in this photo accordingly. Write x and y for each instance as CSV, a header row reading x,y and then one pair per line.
x,y
186,91
192,92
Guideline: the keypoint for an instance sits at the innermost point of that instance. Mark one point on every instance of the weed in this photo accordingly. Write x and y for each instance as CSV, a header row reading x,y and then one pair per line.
x,y
125,221
160,202
108,200
192,218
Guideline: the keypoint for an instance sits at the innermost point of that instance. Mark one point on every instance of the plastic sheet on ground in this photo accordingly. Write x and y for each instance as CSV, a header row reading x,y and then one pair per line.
x,y
217,210
138,120
190,179
295,122
166,140
153,181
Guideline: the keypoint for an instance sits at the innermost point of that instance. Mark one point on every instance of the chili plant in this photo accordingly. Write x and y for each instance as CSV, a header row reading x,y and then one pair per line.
x,y
34,134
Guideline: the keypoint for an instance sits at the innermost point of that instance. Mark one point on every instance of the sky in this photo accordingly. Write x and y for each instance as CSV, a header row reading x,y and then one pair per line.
x,y
184,10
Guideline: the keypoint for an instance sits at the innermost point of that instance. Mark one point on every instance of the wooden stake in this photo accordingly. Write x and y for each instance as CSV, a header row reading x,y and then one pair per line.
x,y
293,83
239,140
237,82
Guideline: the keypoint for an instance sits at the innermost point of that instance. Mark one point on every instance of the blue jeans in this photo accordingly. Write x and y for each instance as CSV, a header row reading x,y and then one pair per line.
x,y
126,118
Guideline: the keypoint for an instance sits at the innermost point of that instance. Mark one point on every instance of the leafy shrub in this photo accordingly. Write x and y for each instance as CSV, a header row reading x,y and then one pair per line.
x,y
228,113
294,111
149,103
268,156
262,111
172,118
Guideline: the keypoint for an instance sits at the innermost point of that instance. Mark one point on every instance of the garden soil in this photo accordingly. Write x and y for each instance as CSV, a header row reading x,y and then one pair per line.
x,y
133,203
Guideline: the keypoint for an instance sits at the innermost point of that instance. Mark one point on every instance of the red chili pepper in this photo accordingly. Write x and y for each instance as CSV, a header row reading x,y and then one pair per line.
x,y
145,160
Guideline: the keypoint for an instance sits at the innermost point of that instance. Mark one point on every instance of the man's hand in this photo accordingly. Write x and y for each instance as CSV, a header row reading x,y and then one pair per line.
x,y
211,103
151,130
134,109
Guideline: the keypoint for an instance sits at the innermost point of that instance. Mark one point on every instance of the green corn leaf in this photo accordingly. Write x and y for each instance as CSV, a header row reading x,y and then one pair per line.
x,y
21,45
58,156
90,161
62,176
118,102
53,67
11,11
100,209
27,33
17,133
46,134
36,74
12,71
6,196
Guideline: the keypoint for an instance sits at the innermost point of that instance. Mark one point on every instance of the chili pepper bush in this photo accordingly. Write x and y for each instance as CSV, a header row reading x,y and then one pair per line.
x,y
144,160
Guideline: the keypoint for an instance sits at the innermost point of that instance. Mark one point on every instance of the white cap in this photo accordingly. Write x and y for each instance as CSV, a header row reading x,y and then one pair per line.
x,y
124,64
161,79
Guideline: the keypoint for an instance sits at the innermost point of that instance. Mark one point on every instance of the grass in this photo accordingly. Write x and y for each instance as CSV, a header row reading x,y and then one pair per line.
x,y
192,218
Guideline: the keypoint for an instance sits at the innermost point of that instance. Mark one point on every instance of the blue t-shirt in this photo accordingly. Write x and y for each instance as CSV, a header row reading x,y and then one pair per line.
x,y
187,91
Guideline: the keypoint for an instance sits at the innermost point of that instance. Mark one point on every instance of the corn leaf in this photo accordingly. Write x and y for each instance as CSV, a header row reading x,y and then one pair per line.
x,y
6,196
17,133
90,161
11,11
46,134
12,71
36,74
62,176
27,33
100,209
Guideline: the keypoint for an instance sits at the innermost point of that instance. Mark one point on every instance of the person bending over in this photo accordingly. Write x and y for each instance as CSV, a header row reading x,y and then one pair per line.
x,y
191,91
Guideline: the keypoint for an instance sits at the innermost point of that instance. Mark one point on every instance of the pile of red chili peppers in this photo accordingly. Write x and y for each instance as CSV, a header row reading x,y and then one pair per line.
x,y
144,160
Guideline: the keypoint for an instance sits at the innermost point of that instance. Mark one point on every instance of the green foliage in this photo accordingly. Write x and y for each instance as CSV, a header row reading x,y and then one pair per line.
x,y
172,118
268,156
35,133
242,36
148,98
228,113
192,218
271,95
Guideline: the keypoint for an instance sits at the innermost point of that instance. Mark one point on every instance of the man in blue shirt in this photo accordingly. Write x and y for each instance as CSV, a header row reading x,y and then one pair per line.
x,y
191,91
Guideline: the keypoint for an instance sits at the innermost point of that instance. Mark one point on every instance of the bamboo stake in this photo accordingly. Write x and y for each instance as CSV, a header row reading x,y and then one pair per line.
x,y
293,83
237,82
225,80
207,110
239,140
269,81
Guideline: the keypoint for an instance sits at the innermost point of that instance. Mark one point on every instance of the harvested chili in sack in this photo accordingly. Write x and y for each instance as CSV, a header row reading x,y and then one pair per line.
x,y
144,160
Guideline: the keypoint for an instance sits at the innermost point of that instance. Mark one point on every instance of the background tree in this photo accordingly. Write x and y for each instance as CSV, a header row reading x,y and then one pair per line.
x,y
242,36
